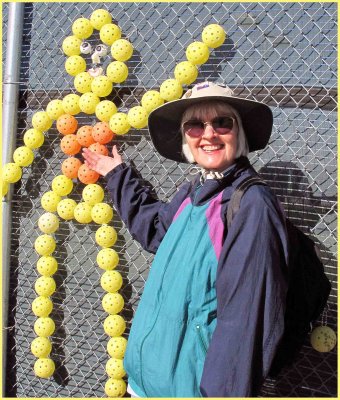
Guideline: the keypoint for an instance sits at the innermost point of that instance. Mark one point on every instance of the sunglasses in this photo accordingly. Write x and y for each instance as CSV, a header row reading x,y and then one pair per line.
x,y
195,128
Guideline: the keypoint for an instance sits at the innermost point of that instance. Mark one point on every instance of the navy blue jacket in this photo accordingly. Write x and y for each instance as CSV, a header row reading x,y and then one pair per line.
x,y
251,279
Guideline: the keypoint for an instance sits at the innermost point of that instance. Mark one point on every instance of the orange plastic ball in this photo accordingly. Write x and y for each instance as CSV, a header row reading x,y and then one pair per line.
x,y
87,175
70,145
70,167
67,124
84,136
102,133
99,149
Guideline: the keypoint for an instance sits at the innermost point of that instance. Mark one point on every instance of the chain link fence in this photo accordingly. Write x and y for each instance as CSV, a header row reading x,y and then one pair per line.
x,y
284,54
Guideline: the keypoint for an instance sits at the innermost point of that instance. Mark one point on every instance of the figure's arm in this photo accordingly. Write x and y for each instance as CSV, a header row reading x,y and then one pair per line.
x,y
251,289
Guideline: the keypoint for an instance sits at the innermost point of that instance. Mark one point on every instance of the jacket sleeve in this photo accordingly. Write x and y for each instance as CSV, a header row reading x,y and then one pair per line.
x,y
146,217
251,289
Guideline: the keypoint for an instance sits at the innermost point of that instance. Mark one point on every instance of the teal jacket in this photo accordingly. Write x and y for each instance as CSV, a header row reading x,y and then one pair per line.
x,y
211,314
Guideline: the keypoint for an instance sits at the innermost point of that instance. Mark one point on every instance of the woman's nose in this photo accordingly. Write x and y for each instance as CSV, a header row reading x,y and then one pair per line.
x,y
209,131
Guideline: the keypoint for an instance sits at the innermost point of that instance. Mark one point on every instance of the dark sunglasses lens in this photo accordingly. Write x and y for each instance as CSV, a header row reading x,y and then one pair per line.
x,y
193,128
223,124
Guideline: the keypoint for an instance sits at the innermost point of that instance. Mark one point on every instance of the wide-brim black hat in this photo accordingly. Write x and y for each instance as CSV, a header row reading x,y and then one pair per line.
x,y
165,121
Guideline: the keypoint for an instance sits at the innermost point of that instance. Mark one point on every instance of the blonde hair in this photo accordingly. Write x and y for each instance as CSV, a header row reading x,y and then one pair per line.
x,y
214,108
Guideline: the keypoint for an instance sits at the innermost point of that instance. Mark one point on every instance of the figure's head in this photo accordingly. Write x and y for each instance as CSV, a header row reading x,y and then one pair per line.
x,y
181,130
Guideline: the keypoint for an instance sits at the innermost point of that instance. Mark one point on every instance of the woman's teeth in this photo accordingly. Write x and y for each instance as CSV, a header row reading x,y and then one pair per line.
x,y
212,147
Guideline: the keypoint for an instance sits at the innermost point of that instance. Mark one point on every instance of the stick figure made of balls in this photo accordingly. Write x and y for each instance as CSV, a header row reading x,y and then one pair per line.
x,y
91,85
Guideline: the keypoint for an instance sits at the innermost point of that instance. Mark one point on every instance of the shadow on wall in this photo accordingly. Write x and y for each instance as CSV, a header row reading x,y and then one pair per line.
x,y
305,377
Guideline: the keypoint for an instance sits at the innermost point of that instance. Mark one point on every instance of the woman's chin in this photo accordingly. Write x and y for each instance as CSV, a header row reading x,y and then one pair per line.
x,y
214,165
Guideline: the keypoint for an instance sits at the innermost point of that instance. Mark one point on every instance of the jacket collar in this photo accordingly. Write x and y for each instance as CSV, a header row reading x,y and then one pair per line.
x,y
205,189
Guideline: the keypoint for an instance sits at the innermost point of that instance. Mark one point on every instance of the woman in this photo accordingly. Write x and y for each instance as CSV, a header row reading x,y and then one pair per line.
x,y
211,314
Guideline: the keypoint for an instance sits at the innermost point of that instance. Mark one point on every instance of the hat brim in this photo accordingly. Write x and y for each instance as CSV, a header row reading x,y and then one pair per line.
x,y
165,124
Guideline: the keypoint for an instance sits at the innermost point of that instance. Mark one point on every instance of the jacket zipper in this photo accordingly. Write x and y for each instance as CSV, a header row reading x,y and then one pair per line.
x,y
202,341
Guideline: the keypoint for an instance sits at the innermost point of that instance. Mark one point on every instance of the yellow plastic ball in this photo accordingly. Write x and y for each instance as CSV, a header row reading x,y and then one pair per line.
x,y
114,325
45,286
111,281
5,188
33,138
116,347
186,72
44,367
88,102
323,339
44,245
170,90
105,109
82,28
99,18
66,208
71,46
101,86
41,121
115,369
119,123
48,223
55,109
93,194
138,117
61,185
71,104
102,213
117,71
115,387
50,200
82,213
106,236
151,100
74,65
107,259
23,156
11,172
41,347
213,35
47,265
44,326
82,82
113,303
197,53
42,306
121,50
109,33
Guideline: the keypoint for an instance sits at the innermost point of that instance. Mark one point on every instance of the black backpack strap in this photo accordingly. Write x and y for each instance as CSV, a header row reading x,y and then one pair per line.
x,y
236,197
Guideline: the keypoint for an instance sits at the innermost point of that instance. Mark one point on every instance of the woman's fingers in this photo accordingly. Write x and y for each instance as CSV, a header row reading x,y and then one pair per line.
x,y
115,151
90,155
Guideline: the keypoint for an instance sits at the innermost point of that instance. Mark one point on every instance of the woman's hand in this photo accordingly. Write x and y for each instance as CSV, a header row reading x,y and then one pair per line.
x,y
102,164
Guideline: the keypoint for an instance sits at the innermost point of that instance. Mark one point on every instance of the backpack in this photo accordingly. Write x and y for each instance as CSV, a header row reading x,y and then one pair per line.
x,y
308,286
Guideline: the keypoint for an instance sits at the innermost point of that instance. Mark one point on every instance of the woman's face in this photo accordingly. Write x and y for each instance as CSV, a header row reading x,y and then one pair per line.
x,y
214,151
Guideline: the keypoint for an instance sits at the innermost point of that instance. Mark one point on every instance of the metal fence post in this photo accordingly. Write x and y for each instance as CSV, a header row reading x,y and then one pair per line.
x,y
9,128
